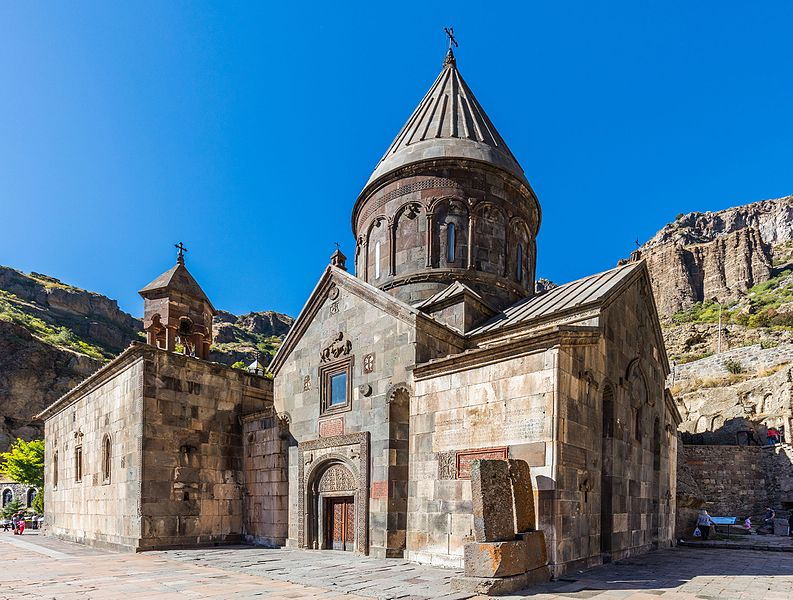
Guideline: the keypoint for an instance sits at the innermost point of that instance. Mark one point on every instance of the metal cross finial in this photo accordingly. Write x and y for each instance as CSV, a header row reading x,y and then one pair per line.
x,y
338,246
180,252
450,34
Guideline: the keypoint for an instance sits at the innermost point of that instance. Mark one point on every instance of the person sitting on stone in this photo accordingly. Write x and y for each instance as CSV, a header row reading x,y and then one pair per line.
x,y
768,518
772,436
704,521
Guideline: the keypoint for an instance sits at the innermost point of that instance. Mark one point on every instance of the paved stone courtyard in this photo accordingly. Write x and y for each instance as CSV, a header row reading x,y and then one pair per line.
x,y
40,567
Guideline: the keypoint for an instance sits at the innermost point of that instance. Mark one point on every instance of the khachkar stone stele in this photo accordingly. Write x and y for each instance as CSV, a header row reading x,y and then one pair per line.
x,y
508,554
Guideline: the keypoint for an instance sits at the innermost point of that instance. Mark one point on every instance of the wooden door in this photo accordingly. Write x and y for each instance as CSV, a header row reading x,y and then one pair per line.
x,y
340,523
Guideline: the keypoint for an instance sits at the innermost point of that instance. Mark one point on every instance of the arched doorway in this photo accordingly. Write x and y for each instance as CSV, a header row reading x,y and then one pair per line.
x,y
332,508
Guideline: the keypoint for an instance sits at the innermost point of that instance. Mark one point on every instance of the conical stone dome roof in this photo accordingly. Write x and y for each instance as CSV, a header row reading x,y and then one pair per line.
x,y
448,123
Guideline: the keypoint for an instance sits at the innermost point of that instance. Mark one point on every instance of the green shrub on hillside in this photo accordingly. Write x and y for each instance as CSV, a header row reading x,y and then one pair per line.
x,y
760,307
61,337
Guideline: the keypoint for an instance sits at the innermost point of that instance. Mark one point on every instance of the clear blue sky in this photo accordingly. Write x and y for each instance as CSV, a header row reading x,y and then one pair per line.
x,y
247,130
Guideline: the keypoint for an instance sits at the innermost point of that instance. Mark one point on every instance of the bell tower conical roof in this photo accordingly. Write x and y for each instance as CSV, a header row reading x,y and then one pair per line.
x,y
449,122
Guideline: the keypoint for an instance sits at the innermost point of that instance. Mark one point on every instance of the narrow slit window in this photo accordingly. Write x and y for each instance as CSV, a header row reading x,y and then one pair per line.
x,y
55,470
377,260
519,264
450,242
106,459
78,464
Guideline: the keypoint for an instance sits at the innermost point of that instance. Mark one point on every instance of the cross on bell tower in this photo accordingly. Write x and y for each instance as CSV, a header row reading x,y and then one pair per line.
x,y
177,312
180,250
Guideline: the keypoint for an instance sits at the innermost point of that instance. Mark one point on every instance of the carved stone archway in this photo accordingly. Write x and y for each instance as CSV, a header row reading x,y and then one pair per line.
x,y
333,466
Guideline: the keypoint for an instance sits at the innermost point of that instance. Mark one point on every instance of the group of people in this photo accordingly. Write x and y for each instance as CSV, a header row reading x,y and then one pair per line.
x,y
16,523
705,522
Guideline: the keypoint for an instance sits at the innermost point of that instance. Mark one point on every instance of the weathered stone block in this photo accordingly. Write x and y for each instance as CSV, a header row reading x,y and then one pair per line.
x,y
494,518
494,586
536,548
496,559
522,495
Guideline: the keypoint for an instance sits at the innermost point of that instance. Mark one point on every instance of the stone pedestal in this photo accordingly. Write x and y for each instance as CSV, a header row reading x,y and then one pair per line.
x,y
495,586
504,559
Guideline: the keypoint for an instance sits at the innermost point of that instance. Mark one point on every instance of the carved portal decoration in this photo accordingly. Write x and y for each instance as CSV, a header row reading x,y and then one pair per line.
x,y
338,348
368,363
447,465
337,478
341,462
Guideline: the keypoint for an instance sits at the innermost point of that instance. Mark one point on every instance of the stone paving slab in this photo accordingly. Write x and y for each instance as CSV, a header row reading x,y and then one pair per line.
x,y
46,568
386,579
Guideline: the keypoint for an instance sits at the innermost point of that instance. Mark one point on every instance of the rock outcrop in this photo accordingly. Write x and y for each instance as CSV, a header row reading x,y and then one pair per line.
x,y
53,335
33,374
716,255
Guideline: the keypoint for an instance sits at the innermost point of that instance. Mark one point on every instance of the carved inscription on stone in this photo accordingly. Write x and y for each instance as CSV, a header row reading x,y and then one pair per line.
x,y
331,427
334,308
379,489
447,465
465,458
468,428
177,385
336,349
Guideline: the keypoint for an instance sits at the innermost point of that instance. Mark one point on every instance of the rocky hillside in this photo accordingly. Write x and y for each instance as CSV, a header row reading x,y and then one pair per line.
x,y
53,335
718,255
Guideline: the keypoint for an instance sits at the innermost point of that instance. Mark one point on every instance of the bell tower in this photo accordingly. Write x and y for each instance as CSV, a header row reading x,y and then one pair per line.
x,y
177,311
448,202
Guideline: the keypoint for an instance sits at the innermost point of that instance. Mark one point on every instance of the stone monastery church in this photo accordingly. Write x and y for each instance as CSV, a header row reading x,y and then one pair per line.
x,y
436,352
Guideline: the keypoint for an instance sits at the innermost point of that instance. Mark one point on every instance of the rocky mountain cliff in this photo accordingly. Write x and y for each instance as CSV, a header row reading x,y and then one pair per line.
x,y
718,255
53,335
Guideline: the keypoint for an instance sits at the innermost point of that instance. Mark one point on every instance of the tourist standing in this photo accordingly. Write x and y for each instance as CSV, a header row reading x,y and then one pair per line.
x,y
21,524
772,436
704,521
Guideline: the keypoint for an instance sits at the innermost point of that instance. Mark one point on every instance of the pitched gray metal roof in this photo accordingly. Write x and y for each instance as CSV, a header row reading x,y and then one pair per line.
x,y
448,122
456,288
565,298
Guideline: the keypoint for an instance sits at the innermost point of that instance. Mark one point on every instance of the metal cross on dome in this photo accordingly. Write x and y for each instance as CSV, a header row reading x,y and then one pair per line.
x,y
180,252
450,34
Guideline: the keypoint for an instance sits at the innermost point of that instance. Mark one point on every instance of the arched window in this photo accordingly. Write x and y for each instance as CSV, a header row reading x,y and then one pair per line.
x,y
519,264
106,458
450,242
377,260
78,464
31,496
55,470
8,497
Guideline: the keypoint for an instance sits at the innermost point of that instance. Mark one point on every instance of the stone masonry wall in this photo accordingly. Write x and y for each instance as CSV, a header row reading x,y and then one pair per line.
x,y
732,479
192,485
265,448
94,511
643,446
503,409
